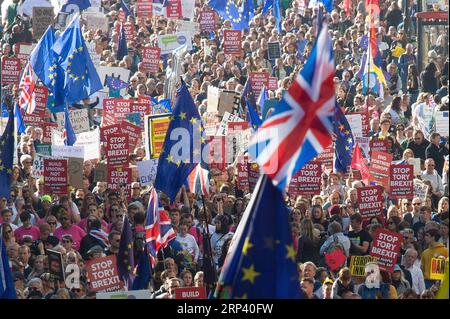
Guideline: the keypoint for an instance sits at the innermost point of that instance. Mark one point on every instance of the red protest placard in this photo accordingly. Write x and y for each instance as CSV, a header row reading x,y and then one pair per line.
x,y
174,9
236,127
142,108
326,157
379,168
386,246
232,42
370,201
273,83
55,176
242,173
38,116
119,177
103,275
253,175
217,155
144,9
258,80
133,132
117,108
150,59
117,149
307,181
47,132
401,183
207,20
23,52
365,120
190,293
11,68
108,130
379,145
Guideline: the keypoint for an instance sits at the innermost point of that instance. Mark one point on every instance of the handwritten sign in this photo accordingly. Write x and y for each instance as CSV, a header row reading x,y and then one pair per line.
x,y
147,171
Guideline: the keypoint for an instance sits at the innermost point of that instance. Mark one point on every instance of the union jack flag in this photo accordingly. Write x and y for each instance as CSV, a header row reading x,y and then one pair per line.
x,y
301,125
158,228
198,180
26,87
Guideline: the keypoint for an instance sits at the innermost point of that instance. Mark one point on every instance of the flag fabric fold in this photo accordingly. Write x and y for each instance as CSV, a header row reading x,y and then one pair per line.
x,y
359,164
125,256
7,157
253,117
7,288
122,49
19,118
344,142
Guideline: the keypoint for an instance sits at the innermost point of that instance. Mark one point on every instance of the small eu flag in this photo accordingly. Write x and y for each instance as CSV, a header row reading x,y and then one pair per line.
x,y
115,85
6,157
253,117
125,256
261,261
344,142
239,16
122,49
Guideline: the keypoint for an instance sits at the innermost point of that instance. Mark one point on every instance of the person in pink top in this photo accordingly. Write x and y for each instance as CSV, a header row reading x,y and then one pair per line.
x,y
27,229
68,229
94,211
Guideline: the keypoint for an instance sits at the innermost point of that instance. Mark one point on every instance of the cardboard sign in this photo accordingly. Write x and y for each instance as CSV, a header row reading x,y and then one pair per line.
x,y
207,20
75,172
156,130
169,42
401,181
437,269
420,189
78,118
55,264
133,132
42,18
144,9
11,68
355,122
358,265
68,151
441,119
273,50
273,83
55,176
117,151
147,171
173,9
150,59
378,145
102,274
379,168
221,101
386,247
120,177
190,293
100,172
131,294
370,201
307,181
232,42
38,116
258,80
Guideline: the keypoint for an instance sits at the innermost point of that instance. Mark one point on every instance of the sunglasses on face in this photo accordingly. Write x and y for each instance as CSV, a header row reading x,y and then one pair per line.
x,y
51,223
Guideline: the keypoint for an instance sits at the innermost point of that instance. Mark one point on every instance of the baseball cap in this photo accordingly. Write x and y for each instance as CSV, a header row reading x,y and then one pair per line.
x,y
397,268
46,198
328,281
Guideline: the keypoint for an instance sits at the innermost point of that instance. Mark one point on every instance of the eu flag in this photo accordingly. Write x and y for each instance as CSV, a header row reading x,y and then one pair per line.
x,y
267,6
261,263
125,256
115,85
161,107
344,142
125,9
45,65
81,79
239,16
247,94
6,157
253,117
276,11
183,146
143,273
7,289
18,115
122,49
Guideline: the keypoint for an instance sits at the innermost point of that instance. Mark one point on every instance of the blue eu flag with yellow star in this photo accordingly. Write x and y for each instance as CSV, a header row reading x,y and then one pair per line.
x,y
6,157
252,117
344,142
261,262
239,16
161,107
183,146
80,79
125,255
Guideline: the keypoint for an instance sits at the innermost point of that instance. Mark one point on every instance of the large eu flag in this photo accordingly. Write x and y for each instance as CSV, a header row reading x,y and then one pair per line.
x,y
261,263
6,157
7,289
239,16
344,142
183,146
81,79
125,256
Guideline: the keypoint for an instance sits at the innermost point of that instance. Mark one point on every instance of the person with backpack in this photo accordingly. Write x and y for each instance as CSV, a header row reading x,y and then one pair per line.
x,y
336,240
359,238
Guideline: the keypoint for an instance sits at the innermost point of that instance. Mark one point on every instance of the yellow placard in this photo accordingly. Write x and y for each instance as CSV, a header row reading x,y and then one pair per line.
x,y
398,51
437,270
358,265
158,130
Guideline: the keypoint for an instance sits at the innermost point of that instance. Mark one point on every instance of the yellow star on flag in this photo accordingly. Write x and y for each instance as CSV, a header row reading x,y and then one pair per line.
x,y
247,246
202,140
291,253
169,158
347,148
9,171
182,115
2,167
193,120
250,274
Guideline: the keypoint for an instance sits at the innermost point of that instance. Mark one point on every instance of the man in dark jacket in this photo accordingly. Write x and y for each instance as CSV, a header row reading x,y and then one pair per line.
x,y
433,151
419,145
95,237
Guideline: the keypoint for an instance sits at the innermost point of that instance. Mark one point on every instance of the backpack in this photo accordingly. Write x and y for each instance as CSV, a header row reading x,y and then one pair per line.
x,y
335,244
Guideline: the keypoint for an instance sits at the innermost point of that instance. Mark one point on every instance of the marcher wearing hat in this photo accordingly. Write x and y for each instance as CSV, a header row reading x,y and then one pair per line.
x,y
399,281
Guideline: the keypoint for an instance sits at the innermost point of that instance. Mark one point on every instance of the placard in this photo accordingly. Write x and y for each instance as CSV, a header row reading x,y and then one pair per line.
x,y
42,18
11,68
232,42
420,189
75,172
258,80
116,108
133,132
401,181
170,42
156,129
144,9
378,145
116,150
147,171
150,59
273,50
386,247
441,119
437,268
365,122
55,176
120,177
273,83
102,274
358,265
207,20
416,163
370,201
364,144
190,293
24,53
173,9
38,166
100,172
307,181
91,143
38,116
55,264
222,130
379,168
108,130
355,122
68,151
96,21
326,158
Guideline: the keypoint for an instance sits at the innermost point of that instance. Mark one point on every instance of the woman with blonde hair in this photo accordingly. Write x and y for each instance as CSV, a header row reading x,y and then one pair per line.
x,y
308,243
442,211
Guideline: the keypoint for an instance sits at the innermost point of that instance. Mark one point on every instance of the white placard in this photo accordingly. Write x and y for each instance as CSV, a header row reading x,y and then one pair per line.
x,y
131,294
38,166
96,20
78,118
147,171
222,130
442,123
187,9
169,42
416,163
355,122
67,151
193,27
420,189
91,142
103,71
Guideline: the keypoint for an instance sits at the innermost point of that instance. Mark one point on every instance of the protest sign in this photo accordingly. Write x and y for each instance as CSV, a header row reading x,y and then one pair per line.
x,y
42,18
355,122
55,264
273,50
378,145
140,107
207,20
38,166
190,26
242,172
133,132
420,189
370,201
222,130
358,265
11,68
147,171
441,119
365,122
78,118
44,149
173,8
258,80
217,156
379,168
134,118
102,274
386,246
144,9
100,172
415,162
91,142
187,9
55,176
150,59
68,151
117,108
130,294
273,83
232,42
221,101
120,178
437,268
24,53
307,181
108,130
38,115
401,181
326,158
117,72
253,175
116,150
155,133
96,21
190,293
364,145
169,42
75,172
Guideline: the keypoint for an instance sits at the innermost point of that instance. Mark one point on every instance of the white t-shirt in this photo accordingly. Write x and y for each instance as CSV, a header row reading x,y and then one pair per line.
x,y
189,244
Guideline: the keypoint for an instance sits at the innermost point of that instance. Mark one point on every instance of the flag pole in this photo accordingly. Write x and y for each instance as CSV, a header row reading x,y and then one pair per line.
x,y
208,242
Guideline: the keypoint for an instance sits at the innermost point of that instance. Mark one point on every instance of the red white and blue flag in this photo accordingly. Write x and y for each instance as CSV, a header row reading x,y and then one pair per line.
x,y
26,87
199,181
301,126
158,228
